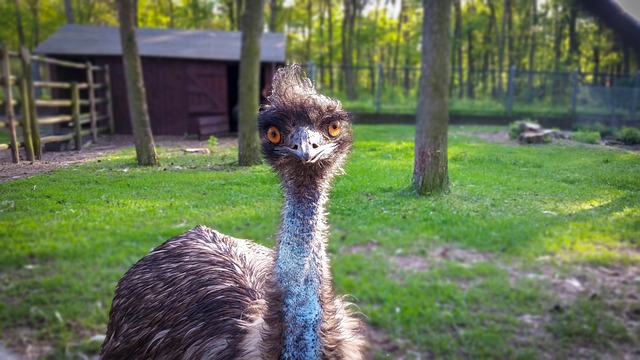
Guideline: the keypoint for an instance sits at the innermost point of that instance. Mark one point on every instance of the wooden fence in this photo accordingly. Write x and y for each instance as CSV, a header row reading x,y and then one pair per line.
x,y
22,111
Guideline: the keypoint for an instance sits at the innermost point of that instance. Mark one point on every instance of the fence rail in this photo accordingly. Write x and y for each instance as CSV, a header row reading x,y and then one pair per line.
x,y
69,118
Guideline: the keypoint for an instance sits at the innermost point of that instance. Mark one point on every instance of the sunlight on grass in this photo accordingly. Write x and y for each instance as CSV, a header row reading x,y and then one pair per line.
x,y
67,237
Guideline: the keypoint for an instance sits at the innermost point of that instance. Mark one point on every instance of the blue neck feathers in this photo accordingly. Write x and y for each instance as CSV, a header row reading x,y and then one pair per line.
x,y
299,272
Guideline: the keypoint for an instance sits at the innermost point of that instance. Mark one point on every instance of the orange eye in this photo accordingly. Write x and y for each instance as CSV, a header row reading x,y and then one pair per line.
x,y
273,134
334,128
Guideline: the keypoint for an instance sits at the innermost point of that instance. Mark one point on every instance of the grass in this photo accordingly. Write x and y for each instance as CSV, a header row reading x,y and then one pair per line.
x,y
4,136
531,214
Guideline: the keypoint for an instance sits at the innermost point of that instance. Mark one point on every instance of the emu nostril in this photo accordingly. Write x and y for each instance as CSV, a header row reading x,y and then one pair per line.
x,y
315,146
295,147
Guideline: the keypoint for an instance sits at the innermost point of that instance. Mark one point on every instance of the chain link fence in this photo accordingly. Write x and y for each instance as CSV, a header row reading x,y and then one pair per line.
x,y
510,92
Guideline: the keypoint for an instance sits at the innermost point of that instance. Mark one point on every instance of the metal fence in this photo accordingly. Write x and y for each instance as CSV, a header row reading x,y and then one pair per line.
x,y
511,92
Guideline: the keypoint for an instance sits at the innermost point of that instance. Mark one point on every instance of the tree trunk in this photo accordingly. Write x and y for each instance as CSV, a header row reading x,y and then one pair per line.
x,y
557,44
532,47
240,10
396,50
135,13
274,10
19,23
68,11
171,15
34,7
509,17
430,171
309,28
145,148
249,88
572,55
457,43
501,39
330,44
470,65
493,29
348,24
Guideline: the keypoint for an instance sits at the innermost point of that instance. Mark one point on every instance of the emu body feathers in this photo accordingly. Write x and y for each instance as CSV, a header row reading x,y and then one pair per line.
x,y
205,295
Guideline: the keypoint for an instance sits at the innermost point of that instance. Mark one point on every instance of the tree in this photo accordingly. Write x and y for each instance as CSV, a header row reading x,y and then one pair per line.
x,y
68,11
249,88
430,170
145,148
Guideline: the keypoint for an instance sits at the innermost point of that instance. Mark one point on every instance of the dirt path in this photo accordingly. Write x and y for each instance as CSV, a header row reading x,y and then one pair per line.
x,y
106,144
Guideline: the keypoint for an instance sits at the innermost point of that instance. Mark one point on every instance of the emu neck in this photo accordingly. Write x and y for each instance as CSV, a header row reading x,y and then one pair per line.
x,y
299,272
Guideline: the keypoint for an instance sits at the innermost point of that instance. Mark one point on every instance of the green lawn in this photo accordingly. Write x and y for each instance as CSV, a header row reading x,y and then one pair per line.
x,y
533,254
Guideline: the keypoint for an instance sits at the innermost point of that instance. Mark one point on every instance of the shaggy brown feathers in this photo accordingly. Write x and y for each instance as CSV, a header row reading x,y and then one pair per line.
x,y
205,295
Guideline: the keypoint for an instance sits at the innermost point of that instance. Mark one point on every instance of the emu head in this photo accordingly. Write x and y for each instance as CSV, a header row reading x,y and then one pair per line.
x,y
305,136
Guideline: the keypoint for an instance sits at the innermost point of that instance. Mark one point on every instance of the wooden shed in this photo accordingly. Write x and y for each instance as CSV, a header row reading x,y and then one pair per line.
x,y
191,76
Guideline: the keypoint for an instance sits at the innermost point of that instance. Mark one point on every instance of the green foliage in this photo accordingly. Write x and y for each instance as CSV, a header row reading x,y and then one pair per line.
x,y
212,142
4,136
587,137
598,127
630,135
63,249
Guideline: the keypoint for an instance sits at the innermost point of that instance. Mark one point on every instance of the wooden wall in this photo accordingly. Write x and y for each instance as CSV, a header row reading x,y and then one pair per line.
x,y
183,96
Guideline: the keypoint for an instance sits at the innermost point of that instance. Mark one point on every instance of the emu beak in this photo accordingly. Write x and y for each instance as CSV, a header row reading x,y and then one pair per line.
x,y
306,145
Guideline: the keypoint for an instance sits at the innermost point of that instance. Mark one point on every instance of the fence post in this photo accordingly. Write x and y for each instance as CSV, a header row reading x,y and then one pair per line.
x,y
574,91
8,100
27,137
378,87
30,101
107,84
510,89
75,113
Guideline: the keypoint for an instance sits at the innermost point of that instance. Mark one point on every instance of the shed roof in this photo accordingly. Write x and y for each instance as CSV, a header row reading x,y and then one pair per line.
x,y
168,43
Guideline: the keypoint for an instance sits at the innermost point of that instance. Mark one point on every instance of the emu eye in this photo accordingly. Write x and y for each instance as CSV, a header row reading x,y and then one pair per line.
x,y
273,134
334,128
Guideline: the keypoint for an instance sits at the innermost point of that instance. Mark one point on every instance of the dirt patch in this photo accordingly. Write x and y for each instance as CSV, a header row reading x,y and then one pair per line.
x,y
52,160
502,137
381,344
367,248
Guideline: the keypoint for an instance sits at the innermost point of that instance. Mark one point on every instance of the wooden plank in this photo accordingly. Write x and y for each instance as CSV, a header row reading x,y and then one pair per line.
x,y
13,102
4,124
103,129
49,120
51,84
101,101
92,103
57,138
12,79
75,114
98,86
8,94
53,103
53,61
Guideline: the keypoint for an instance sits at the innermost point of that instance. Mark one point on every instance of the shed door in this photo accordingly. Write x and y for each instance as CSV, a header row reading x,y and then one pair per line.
x,y
207,98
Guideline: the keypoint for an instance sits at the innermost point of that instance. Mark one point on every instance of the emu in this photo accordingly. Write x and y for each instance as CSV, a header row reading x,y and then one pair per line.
x,y
205,295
